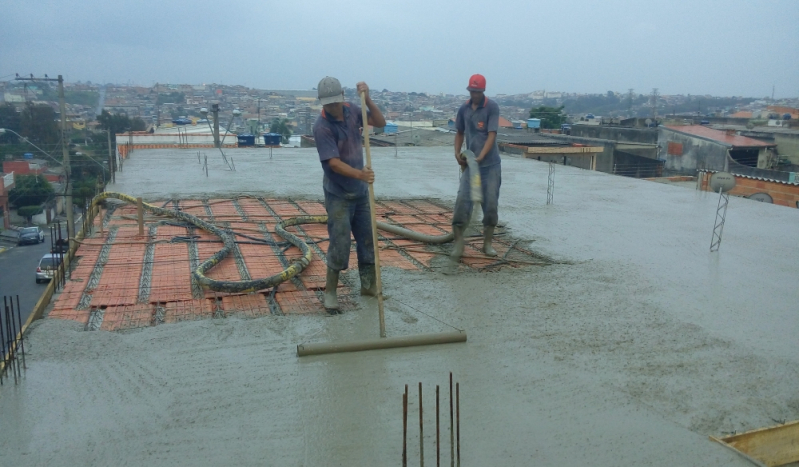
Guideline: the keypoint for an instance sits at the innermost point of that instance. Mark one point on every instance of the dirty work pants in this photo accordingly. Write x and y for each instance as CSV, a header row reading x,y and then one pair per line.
x,y
490,179
345,216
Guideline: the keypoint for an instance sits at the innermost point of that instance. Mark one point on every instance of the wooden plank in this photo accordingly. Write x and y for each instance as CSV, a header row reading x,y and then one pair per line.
x,y
772,446
565,150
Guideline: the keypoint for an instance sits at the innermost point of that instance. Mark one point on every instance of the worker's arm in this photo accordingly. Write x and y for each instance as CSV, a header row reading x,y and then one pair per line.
x,y
376,118
342,168
458,147
492,137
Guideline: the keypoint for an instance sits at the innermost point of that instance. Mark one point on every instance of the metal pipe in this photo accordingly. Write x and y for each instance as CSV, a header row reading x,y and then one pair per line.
x,y
438,434
405,427
451,427
22,338
381,343
458,418
2,348
421,429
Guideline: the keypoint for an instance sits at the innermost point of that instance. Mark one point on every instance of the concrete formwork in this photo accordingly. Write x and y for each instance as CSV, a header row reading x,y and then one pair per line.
x,y
632,354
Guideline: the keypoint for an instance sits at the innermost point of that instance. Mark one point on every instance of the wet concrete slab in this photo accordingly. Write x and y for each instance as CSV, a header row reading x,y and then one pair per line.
x,y
631,354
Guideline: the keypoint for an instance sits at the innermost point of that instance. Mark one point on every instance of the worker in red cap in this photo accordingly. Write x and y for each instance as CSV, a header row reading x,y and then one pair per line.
x,y
477,123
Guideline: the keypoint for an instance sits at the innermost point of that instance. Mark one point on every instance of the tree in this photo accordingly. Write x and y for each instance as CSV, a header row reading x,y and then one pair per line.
x,y
281,127
10,119
29,211
137,124
117,123
37,123
30,190
551,117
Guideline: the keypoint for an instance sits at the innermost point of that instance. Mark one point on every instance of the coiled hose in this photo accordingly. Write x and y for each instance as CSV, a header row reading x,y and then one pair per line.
x,y
229,241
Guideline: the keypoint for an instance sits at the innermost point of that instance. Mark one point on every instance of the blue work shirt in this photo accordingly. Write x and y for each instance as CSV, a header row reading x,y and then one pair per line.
x,y
341,139
475,124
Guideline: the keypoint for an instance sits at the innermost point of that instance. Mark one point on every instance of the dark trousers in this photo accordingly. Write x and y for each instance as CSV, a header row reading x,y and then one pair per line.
x,y
345,217
490,179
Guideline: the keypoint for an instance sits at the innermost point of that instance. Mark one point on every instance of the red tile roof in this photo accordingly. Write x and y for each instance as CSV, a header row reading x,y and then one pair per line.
x,y
720,136
505,123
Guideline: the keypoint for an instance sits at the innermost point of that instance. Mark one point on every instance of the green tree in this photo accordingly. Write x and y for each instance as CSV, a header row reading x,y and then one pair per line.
x,y
117,123
10,119
551,117
171,98
30,190
29,211
38,123
84,190
281,126
137,124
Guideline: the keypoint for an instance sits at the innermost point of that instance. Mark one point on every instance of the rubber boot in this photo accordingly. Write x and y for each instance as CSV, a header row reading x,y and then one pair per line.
x,y
488,234
457,249
368,279
331,299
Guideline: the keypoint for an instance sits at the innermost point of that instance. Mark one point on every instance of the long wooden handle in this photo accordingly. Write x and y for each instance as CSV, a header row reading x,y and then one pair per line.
x,y
378,281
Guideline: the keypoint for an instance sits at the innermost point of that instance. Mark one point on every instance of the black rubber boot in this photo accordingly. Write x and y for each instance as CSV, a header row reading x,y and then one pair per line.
x,y
368,279
488,234
331,299
457,249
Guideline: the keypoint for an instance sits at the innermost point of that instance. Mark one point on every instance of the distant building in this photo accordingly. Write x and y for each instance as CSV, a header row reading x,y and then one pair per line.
x,y
691,147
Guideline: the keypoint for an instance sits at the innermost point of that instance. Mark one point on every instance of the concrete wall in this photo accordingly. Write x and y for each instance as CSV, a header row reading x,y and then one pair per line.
x,y
697,153
604,160
616,133
788,146
582,162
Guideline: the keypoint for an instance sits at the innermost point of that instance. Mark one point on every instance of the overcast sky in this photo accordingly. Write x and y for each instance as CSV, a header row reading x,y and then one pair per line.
x,y
725,47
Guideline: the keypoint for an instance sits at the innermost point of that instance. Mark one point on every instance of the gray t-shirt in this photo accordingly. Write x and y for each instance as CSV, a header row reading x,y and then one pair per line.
x,y
341,139
475,124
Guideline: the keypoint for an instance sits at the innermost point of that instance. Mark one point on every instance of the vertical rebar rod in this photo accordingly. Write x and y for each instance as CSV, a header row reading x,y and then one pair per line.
x,y
438,434
10,340
421,429
2,346
451,427
405,427
458,418
21,337
16,327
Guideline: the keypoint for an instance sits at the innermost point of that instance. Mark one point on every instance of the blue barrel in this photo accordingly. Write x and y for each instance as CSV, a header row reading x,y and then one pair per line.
x,y
246,140
27,155
272,139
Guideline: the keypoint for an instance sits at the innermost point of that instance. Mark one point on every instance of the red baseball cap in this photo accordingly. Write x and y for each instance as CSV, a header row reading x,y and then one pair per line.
x,y
477,83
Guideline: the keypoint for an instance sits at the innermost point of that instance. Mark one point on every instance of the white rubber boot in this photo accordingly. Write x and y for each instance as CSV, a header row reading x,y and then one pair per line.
x,y
457,249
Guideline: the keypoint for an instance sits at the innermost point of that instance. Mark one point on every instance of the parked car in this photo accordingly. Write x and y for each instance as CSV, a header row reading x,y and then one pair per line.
x,y
30,235
47,267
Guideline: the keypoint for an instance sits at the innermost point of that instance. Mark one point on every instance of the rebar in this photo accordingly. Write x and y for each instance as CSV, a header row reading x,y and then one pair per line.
x,y
458,418
438,434
451,428
421,429
2,348
21,336
405,427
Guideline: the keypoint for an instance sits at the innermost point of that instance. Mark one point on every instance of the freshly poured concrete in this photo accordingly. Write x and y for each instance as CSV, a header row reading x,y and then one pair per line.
x,y
631,355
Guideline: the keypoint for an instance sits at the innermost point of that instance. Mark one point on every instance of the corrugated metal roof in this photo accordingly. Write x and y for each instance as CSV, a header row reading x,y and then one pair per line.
x,y
719,136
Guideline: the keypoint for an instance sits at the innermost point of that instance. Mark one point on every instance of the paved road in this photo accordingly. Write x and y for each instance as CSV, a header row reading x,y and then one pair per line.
x,y
18,272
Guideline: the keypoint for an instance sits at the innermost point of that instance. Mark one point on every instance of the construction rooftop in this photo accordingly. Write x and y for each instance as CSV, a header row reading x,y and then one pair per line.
x,y
605,333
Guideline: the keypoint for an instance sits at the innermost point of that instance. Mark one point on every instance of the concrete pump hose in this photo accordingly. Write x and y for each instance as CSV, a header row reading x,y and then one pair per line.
x,y
229,239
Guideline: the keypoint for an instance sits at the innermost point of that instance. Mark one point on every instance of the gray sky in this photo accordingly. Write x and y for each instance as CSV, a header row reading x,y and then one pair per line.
x,y
726,47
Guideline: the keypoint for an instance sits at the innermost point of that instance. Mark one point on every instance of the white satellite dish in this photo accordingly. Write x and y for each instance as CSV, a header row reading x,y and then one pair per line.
x,y
723,181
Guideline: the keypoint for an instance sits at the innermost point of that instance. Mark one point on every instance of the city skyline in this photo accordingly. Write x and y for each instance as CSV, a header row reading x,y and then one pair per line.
x,y
733,48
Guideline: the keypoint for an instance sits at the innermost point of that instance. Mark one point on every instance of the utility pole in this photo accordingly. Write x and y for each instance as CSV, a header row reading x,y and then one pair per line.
x,y
64,147
215,111
630,102
654,103
259,115
111,165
